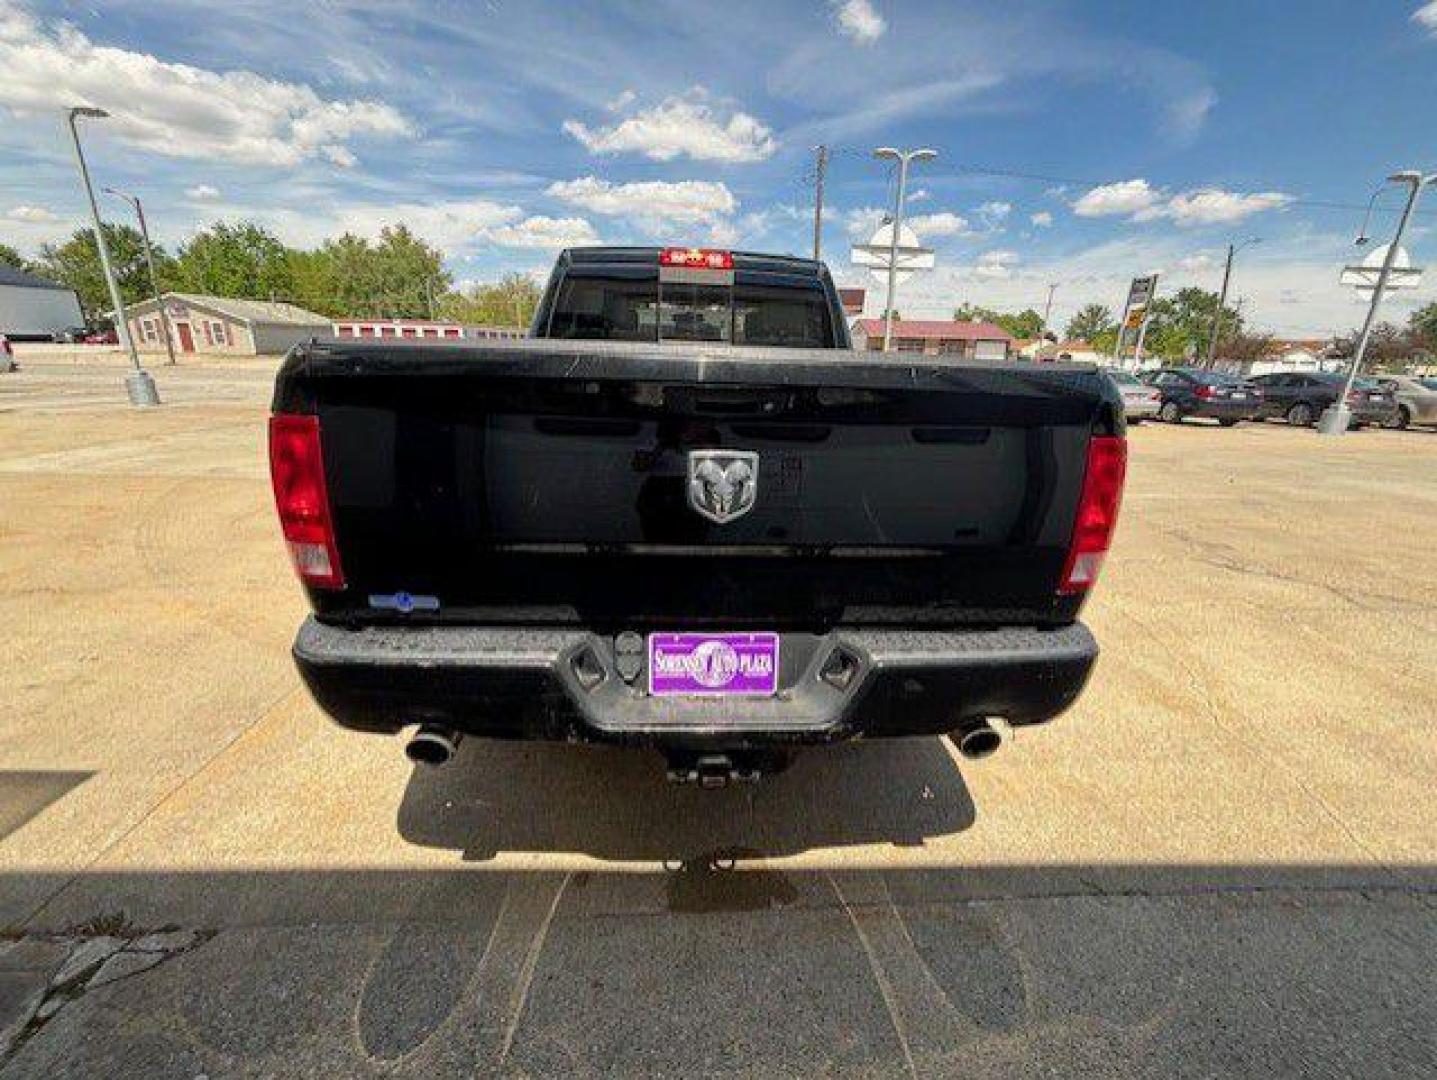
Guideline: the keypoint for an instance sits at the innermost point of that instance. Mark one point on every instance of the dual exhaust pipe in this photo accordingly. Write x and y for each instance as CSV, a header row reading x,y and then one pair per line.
x,y
433,745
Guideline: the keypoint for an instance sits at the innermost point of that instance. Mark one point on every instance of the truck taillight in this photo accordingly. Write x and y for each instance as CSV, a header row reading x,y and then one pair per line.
x,y
696,258
296,468
1205,391
1097,512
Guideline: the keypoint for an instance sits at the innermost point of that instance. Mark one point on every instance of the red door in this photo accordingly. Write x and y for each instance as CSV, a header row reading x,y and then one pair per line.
x,y
187,337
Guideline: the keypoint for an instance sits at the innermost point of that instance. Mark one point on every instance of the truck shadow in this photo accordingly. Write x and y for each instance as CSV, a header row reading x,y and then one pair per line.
x,y
615,804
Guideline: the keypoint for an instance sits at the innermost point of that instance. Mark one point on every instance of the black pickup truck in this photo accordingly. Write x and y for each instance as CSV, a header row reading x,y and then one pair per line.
x,y
685,514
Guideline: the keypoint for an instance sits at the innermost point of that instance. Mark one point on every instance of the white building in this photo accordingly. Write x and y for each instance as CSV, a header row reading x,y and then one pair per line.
x,y
35,309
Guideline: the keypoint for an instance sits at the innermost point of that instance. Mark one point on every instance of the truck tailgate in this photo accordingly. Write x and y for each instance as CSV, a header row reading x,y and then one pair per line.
x,y
548,482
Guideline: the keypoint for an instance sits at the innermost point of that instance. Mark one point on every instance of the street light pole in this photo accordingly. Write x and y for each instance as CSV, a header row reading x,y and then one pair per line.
x,y
1048,307
138,383
1337,416
134,200
1222,300
903,157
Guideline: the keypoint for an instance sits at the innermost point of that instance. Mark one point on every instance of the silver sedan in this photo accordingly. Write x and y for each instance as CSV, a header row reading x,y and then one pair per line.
x,y
1140,401
1416,399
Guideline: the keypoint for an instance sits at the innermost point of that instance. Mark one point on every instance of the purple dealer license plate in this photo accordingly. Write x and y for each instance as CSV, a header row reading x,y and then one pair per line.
x,y
713,664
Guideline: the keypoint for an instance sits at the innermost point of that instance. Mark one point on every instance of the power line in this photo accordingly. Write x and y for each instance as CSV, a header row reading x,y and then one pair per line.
x,y
1091,182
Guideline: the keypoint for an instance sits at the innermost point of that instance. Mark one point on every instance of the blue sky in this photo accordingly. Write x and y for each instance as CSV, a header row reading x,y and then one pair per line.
x,y
1079,142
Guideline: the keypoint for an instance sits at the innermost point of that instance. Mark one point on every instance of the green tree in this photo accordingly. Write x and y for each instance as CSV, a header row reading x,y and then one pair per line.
x,y
10,257
240,260
400,276
509,302
1244,346
76,263
1179,326
1025,324
1423,326
1104,341
1090,323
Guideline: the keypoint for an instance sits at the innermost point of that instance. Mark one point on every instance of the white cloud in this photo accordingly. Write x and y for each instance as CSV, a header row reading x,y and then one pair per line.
x,y
921,195
992,214
858,20
995,265
545,233
453,227
1212,206
176,109
1043,219
1426,17
681,125
943,223
1139,201
339,155
862,221
654,204
31,215
1129,197
623,100
1196,263
202,193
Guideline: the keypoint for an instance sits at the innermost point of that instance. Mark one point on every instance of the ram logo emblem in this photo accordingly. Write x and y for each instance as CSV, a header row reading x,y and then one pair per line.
x,y
723,484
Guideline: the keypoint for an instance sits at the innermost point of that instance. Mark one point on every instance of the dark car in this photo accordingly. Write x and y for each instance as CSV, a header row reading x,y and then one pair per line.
x,y
1299,397
1211,394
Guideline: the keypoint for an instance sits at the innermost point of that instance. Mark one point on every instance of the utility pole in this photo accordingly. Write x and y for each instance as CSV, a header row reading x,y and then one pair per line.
x,y
1048,307
903,157
134,200
1337,416
1216,331
138,384
820,166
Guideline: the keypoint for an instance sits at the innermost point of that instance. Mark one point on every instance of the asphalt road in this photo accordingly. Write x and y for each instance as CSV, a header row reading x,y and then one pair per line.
x,y
1220,863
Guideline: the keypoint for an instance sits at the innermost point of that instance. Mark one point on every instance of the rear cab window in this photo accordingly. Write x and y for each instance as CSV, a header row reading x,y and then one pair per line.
x,y
634,301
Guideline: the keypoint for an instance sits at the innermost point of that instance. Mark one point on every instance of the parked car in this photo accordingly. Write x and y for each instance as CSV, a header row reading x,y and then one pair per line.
x,y
1215,395
1299,397
1140,401
686,515
101,337
70,335
1416,399
7,354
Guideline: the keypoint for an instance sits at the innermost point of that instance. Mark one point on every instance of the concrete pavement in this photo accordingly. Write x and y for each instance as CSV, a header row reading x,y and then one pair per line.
x,y
1221,862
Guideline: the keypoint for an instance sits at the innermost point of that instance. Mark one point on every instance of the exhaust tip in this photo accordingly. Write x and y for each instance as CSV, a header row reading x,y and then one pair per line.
x,y
432,746
978,741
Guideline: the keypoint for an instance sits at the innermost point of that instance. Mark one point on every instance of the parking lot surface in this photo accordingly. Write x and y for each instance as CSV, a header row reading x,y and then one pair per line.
x,y
1222,861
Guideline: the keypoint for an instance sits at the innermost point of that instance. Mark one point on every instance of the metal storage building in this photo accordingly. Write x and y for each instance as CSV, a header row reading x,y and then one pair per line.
x,y
35,309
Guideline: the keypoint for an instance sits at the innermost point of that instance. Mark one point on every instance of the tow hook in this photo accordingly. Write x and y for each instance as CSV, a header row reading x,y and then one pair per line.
x,y
712,771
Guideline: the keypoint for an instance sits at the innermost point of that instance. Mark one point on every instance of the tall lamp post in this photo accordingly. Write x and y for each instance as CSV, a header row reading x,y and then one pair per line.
x,y
1232,249
138,383
1337,416
903,157
134,200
